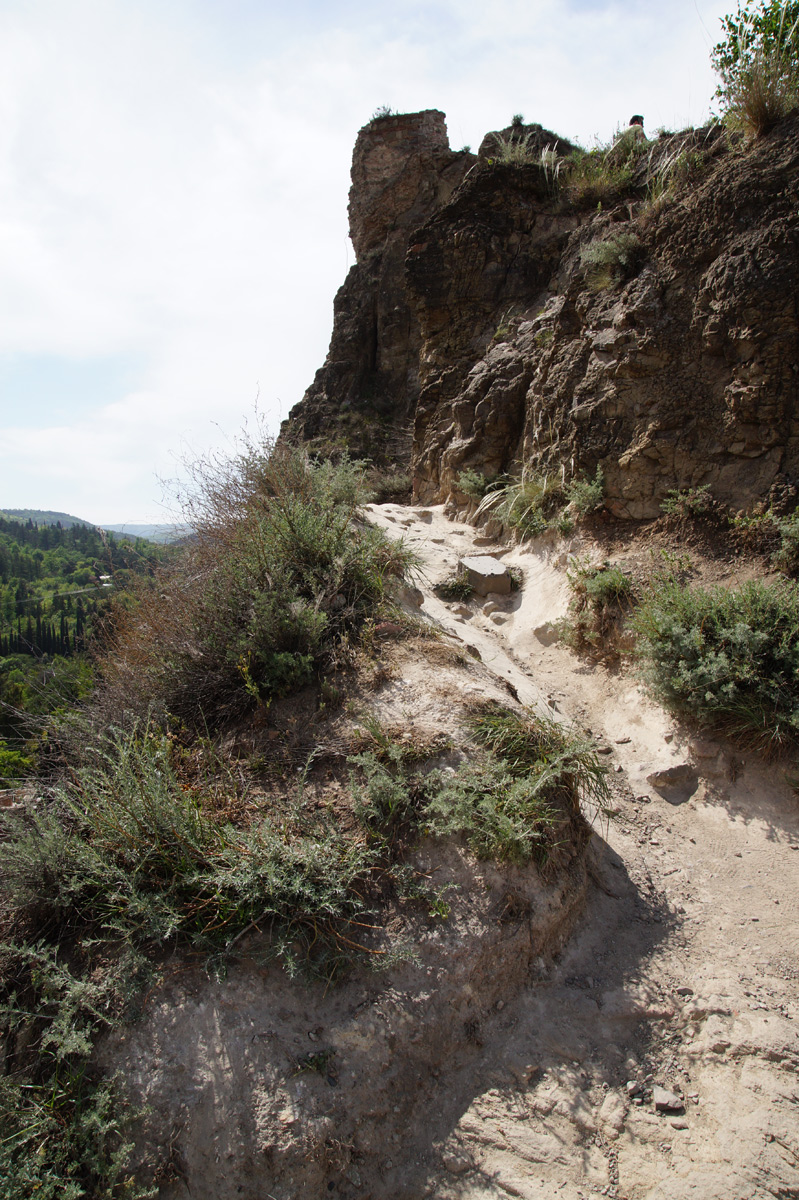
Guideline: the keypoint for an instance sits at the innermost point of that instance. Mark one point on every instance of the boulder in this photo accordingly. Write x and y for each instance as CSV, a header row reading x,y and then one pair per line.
x,y
486,574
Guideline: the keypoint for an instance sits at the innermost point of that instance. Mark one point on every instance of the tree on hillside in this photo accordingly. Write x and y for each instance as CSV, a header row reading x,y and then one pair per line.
x,y
757,62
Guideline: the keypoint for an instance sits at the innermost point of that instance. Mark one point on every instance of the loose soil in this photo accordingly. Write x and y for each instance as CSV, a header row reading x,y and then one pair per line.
x,y
513,1059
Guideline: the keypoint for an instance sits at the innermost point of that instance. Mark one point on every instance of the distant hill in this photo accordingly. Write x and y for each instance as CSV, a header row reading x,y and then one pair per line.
x,y
41,516
163,534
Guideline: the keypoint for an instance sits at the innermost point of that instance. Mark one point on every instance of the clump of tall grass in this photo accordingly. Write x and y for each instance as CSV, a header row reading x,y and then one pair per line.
x,y
762,94
537,502
524,505
599,176
518,148
523,797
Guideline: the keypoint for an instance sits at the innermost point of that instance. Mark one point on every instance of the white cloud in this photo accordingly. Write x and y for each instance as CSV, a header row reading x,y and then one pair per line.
x,y
173,185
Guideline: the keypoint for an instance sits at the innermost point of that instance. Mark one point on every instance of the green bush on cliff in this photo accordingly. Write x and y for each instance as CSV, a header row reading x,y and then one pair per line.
x,y
609,260
282,569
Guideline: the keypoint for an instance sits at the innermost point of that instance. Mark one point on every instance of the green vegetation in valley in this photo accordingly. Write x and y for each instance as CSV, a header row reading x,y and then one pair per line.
x,y
43,516
56,587
55,581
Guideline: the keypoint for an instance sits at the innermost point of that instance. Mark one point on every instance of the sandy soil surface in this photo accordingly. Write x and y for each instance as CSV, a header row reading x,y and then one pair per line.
x,y
683,972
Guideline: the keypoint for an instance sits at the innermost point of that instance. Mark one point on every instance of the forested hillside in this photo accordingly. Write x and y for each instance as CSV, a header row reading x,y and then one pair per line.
x,y
56,584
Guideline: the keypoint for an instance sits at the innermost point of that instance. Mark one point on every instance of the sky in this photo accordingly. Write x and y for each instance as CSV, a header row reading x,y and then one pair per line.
x,y
173,198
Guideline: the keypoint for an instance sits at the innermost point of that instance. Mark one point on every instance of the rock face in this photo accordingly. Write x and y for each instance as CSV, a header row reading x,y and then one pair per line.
x,y
507,348
365,395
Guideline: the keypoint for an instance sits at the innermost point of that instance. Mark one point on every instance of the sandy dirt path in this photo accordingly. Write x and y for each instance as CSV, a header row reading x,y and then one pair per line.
x,y
683,974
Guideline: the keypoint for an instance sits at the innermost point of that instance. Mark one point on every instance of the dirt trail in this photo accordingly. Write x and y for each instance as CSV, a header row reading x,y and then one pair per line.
x,y
683,973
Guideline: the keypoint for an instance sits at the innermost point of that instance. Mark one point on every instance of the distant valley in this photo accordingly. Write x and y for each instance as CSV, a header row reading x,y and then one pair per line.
x,y
162,534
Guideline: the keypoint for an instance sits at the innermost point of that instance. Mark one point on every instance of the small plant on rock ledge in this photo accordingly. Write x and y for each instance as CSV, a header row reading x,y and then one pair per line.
x,y
476,484
587,495
456,587
690,502
609,261
601,595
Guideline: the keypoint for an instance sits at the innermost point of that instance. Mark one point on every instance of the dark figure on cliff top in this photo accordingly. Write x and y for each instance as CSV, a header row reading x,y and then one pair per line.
x,y
635,130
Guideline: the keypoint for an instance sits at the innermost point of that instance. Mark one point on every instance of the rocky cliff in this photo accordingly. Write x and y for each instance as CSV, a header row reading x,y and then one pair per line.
x,y
364,396
520,323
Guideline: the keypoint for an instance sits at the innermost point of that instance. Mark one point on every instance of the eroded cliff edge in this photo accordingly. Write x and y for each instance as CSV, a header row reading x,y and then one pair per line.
x,y
475,313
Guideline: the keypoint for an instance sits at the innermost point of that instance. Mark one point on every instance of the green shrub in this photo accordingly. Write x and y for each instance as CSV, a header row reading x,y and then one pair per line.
x,y
586,495
476,484
385,799
14,765
786,557
729,658
689,502
766,533
758,65
610,260
282,570
500,816
61,1133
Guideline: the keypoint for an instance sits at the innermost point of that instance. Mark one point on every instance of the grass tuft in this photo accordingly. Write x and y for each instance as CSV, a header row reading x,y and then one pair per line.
x,y
609,261
601,596
523,798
